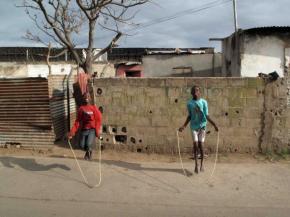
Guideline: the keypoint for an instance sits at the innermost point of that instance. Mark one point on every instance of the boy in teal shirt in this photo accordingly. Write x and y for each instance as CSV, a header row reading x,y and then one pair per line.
x,y
197,116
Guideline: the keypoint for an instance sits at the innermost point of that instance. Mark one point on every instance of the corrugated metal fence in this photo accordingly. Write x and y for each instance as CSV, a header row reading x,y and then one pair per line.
x,y
25,116
60,96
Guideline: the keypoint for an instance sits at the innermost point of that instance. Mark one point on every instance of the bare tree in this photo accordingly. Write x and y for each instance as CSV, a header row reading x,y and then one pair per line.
x,y
64,20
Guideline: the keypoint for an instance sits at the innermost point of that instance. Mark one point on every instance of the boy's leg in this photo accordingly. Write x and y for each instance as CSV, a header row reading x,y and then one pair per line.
x,y
195,148
195,156
90,141
201,139
86,148
84,141
200,146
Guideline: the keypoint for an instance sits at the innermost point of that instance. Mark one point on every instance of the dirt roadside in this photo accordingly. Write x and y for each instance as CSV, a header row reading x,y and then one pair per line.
x,y
108,154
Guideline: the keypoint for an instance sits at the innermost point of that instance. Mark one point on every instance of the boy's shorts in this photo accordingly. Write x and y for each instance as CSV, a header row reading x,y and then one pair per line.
x,y
198,135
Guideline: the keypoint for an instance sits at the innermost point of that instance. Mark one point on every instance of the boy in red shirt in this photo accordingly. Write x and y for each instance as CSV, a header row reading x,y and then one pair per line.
x,y
89,120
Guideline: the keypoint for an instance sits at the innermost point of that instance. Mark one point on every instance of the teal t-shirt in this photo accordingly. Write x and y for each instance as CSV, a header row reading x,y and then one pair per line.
x,y
197,119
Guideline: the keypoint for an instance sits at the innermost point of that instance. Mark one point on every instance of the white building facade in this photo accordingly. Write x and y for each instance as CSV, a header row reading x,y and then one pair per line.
x,y
257,50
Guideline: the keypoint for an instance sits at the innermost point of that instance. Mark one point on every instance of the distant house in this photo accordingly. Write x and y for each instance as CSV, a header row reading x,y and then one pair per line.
x,y
182,62
251,51
165,62
22,62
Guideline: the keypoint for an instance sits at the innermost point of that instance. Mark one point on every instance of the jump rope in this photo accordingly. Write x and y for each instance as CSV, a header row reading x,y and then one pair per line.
x,y
215,161
82,172
180,159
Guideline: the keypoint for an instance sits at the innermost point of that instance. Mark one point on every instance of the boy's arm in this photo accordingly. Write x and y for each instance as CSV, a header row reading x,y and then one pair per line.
x,y
76,125
187,119
98,121
185,124
212,122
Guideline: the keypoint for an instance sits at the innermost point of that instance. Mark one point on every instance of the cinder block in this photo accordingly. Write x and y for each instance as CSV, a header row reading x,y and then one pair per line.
x,y
236,82
251,93
108,139
252,113
154,92
236,112
138,82
237,122
160,121
156,82
214,83
117,94
254,123
174,92
195,81
255,82
175,82
214,93
143,121
257,103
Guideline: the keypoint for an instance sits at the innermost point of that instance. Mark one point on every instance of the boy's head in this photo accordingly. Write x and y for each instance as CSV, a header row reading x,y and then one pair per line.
x,y
86,98
195,92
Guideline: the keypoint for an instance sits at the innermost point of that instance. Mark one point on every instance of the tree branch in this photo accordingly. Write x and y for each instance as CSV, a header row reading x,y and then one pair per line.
x,y
110,46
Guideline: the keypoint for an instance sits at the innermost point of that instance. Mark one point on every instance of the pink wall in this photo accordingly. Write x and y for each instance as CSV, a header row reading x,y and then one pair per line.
x,y
122,69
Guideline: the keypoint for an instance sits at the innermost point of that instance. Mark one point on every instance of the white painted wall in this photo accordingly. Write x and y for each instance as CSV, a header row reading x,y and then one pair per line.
x,y
262,54
162,65
41,70
12,70
287,57
18,70
105,70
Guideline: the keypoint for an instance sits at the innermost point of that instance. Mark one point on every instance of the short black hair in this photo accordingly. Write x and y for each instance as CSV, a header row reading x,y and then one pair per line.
x,y
193,88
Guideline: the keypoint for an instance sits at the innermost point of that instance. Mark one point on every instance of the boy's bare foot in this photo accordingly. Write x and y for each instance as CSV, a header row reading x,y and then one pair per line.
x,y
196,170
201,169
86,157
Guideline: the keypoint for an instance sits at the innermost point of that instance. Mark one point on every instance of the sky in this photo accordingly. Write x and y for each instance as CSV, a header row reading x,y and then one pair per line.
x,y
189,29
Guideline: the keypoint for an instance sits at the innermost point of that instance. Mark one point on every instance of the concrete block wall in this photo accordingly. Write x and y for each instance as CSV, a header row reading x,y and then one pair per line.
x,y
142,114
276,118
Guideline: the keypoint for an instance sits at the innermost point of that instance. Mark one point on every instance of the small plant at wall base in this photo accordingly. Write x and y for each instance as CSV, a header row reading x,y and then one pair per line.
x,y
71,23
283,154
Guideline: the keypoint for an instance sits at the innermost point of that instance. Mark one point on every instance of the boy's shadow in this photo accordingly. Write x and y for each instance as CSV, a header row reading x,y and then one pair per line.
x,y
29,164
138,167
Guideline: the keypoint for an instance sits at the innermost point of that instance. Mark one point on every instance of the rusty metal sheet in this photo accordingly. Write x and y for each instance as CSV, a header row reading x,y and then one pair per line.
x,y
25,116
62,103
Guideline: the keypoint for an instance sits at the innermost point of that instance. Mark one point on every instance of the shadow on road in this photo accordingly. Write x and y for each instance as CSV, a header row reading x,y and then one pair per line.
x,y
138,167
29,164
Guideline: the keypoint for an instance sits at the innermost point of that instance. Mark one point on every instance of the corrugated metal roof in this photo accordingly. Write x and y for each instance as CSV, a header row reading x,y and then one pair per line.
x,y
33,54
24,112
179,51
268,30
135,54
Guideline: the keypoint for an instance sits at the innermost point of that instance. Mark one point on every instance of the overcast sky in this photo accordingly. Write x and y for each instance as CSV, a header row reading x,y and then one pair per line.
x,y
188,30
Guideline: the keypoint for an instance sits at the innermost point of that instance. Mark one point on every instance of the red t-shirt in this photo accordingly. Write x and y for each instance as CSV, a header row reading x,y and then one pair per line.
x,y
89,117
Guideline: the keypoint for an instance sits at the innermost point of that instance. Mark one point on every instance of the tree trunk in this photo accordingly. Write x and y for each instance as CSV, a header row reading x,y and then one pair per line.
x,y
88,65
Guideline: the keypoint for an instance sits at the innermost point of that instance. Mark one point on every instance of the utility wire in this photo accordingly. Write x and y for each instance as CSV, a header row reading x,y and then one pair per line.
x,y
182,13
175,16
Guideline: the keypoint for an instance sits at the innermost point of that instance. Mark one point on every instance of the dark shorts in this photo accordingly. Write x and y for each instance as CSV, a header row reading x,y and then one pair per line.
x,y
87,139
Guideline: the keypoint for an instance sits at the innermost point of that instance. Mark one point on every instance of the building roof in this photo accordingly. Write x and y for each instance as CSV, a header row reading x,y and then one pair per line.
x,y
136,54
263,30
174,51
116,54
266,30
33,54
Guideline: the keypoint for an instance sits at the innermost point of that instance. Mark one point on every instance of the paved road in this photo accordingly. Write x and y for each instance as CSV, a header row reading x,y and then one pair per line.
x,y
33,187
